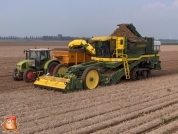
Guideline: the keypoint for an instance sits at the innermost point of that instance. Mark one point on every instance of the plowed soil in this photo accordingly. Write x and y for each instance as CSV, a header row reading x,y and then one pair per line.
x,y
145,106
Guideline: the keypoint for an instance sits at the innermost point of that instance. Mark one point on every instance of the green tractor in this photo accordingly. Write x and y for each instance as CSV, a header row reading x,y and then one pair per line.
x,y
37,63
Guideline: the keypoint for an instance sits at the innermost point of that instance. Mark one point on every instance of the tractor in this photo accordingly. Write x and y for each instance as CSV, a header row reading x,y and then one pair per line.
x,y
41,62
38,62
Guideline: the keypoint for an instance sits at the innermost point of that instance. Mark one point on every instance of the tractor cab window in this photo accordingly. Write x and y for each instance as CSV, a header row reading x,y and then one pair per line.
x,y
44,55
113,47
102,49
32,55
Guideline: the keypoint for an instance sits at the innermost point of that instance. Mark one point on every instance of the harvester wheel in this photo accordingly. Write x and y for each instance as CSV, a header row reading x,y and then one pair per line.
x,y
90,78
149,73
145,74
51,67
134,74
29,75
17,76
60,69
140,74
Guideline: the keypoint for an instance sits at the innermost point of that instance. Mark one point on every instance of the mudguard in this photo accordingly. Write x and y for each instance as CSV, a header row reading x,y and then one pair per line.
x,y
23,65
48,63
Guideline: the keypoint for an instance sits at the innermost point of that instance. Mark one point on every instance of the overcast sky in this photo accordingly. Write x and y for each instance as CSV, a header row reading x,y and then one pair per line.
x,y
156,18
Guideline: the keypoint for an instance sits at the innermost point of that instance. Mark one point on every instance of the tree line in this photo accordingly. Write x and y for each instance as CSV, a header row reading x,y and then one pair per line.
x,y
59,37
168,40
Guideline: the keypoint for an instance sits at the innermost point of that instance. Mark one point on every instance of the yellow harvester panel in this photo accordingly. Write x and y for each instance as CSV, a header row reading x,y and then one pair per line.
x,y
120,43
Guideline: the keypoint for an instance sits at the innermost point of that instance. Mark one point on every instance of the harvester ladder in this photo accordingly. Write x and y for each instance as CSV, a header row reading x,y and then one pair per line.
x,y
126,66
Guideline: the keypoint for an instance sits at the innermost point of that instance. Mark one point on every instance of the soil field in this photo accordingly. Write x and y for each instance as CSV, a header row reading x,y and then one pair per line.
x,y
145,106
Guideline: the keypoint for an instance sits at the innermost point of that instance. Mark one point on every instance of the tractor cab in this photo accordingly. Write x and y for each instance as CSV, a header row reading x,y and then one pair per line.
x,y
37,57
108,47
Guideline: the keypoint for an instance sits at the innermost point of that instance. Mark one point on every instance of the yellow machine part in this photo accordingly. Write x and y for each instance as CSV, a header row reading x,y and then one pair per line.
x,y
82,43
52,82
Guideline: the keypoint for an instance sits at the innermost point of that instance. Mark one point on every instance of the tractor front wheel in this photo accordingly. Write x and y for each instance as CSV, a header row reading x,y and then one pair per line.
x,y
29,75
90,78
16,75
60,69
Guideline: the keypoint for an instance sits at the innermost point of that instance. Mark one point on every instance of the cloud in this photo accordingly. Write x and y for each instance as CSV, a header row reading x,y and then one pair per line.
x,y
175,3
155,5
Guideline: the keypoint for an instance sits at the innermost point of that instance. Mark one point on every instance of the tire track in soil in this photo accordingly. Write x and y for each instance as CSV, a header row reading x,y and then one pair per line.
x,y
5,75
81,116
13,86
145,122
90,123
78,107
127,123
170,128
94,96
156,123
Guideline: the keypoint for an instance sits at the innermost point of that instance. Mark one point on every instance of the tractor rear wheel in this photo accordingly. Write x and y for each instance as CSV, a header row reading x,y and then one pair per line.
x,y
16,75
90,78
60,69
51,67
29,75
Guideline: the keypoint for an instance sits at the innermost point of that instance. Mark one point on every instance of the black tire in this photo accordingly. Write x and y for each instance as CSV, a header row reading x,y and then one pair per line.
x,y
134,74
29,75
51,67
86,80
56,69
17,76
145,74
149,73
139,75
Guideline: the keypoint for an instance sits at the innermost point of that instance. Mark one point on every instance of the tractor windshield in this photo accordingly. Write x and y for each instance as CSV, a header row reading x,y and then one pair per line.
x,y
32,54
38,55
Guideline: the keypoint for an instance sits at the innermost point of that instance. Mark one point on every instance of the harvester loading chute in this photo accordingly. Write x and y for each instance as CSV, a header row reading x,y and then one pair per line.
x,y
82,43
124,53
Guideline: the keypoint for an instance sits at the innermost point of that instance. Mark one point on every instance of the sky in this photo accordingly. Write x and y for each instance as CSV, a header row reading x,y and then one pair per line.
x,y
87,18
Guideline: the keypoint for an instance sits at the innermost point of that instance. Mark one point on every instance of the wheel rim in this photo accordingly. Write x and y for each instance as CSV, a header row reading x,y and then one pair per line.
x,y
62,70
30,76
92,79
52,69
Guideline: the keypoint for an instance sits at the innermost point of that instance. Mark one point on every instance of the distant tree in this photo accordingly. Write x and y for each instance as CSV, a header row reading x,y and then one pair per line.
x,y
59,36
